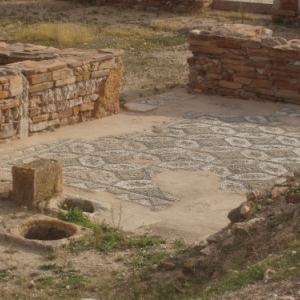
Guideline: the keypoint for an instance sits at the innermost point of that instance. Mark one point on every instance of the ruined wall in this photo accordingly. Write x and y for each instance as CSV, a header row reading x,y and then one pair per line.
x,y
154,5
11,106
286,10
245,62
42,88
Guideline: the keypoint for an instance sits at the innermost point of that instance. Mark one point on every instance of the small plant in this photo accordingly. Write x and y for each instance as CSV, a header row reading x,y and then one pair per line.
x,y
147,258
294,190
4,275
51,255
116,225
111,240
179,244
145,241
75,215
48,267
10,251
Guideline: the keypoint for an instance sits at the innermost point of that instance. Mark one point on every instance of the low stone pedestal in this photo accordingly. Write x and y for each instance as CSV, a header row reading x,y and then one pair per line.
x,y
36,182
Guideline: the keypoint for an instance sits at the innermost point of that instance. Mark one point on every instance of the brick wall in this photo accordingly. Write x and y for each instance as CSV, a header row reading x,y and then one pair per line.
x,y
45,87
245,62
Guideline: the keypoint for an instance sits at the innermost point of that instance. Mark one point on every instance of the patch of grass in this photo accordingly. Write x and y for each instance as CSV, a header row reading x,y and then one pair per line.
x,y
78,246
231,15
147,258
111,240
48,267
75,215
294,190
136,37
49,280
255,208
283,266
10,251
52,255
4,275
34,274
58,34
105,238
165,40
145,241
179,244
234,281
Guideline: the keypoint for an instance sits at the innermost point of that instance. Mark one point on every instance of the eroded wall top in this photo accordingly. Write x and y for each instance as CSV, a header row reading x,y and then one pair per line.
x,y
45,87
244,61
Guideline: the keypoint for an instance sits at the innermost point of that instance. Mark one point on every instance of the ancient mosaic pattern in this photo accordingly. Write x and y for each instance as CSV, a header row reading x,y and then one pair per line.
x,y
245,152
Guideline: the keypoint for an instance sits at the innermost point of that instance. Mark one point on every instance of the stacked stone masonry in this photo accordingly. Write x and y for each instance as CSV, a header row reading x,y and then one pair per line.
x,y
155,5
246,62
286,10
42,88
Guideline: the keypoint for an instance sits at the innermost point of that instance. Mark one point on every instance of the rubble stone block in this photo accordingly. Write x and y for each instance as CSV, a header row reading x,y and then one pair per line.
x,y
36,182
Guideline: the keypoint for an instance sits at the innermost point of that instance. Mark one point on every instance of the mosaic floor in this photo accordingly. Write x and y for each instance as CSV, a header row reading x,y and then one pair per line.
x,y
245,152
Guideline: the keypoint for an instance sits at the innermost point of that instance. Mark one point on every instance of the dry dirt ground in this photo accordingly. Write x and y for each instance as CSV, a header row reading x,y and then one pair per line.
x,y
29,274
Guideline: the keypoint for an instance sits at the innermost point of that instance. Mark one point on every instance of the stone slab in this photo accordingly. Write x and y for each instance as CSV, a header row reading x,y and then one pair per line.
x,y
139,107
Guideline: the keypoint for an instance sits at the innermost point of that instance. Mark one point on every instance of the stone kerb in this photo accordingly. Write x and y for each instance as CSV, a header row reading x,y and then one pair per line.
x,y
246,62
55,87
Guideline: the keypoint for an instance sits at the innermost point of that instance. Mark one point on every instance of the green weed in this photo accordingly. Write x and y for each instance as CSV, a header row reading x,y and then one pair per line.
x,y
75,215
144,241
147,258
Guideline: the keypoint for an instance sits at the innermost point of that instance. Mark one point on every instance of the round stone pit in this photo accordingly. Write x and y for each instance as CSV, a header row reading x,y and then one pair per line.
x,y
45,233
47,230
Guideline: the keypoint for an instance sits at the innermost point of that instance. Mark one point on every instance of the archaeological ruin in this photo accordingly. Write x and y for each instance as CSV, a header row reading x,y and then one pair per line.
x,y
245,62
42,88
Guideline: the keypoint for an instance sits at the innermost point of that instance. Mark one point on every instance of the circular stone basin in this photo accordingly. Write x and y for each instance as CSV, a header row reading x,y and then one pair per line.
x,y
47,229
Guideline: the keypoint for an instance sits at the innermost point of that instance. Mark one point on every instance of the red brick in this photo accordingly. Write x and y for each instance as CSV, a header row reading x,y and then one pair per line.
x,y
258,76
260,83
225,92
242,80
240,68
283,74
286,86
228,43
76,110
230,84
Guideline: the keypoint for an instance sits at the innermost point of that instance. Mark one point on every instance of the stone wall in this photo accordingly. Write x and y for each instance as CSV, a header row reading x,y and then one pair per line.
x,y
286,10
256,7
154,5
42,88
246,62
